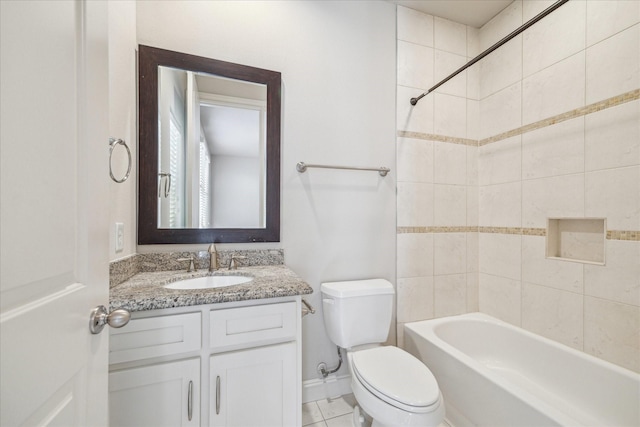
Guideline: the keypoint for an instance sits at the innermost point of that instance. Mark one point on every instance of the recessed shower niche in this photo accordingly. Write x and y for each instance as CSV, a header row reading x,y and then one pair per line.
x,y
577,239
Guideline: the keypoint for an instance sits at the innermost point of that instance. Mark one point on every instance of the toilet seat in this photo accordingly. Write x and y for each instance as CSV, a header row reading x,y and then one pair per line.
x,y
398,378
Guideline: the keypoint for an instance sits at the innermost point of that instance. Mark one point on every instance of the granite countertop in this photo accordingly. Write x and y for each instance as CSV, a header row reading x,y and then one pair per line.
x,y
145,291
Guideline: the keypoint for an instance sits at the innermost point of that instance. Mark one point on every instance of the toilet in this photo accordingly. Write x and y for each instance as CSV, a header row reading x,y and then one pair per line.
x,y
391,385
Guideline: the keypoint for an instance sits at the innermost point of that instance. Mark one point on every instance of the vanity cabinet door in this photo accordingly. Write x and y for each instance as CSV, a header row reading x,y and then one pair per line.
x,y
167,394
254,387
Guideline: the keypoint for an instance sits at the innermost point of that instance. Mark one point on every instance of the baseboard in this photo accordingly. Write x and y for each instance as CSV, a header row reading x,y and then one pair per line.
x,y
332,386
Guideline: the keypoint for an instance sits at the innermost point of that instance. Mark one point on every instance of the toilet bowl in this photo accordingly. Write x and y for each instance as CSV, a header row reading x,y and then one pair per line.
x,y
389,384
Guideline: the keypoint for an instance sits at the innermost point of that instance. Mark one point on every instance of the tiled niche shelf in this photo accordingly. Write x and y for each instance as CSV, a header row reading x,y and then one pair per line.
x,y
577,239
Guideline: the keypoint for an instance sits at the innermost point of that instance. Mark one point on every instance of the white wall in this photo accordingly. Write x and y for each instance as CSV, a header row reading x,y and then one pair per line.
x,y
122,122
337,61
236,192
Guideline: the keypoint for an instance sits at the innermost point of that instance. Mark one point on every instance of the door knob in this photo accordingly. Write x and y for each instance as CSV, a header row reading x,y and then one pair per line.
x,y
100,317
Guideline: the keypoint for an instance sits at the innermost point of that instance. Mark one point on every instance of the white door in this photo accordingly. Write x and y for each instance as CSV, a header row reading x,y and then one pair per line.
x,y
53,211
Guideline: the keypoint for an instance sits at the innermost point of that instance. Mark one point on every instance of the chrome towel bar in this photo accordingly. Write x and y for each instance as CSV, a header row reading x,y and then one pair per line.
x,y
302,167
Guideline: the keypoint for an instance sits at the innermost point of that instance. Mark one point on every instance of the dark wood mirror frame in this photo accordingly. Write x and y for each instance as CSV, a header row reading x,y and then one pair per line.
x,y
149,59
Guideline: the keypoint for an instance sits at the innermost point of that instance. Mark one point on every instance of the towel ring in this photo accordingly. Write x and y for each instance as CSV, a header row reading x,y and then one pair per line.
x,y
112,144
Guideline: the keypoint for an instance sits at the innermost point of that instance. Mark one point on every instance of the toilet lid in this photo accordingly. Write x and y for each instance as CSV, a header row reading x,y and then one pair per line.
x,y
397,377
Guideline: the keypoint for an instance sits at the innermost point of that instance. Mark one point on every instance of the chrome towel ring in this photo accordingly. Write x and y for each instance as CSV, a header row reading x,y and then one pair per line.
x,y
112,144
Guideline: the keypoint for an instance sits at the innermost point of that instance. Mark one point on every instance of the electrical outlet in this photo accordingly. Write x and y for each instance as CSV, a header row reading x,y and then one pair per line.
x,y
119,237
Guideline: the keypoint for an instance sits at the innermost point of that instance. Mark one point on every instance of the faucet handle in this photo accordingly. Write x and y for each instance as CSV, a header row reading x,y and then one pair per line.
x,y
233,263
192,263
212,248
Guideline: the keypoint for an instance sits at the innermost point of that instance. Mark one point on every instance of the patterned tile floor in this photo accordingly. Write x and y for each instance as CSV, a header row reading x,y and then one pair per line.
x,y
335,412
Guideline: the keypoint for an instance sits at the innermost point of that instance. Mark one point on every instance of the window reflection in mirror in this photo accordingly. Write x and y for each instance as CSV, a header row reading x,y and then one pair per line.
x,y
211,145
203,125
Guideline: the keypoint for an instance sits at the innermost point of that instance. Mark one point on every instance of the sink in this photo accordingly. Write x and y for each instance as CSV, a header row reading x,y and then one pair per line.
x,y
209,282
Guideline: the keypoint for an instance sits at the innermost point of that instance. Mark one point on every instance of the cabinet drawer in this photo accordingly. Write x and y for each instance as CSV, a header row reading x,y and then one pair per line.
x,y
155,336
250,326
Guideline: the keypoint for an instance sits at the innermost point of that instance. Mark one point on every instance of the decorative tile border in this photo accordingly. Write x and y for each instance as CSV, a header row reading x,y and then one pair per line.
x,y
578,112
440,138
623,235
632,235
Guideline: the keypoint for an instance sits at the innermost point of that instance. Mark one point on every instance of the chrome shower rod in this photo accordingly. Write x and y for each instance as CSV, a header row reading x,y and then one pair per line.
x,y
514,33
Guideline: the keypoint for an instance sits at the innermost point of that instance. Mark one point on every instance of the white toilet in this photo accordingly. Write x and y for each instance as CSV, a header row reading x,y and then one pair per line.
x,y
391,385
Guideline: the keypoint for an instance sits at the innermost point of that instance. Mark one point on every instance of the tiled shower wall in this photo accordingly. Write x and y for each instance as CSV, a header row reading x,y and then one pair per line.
x,y
555,118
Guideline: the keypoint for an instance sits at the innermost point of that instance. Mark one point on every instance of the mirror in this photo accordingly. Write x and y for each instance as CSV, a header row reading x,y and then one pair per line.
x,y
209,150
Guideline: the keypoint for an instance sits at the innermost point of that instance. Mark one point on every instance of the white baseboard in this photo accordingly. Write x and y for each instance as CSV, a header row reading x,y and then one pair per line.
x,y
332,386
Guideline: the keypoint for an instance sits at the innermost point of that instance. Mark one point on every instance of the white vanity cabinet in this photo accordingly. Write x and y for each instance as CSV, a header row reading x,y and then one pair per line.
x,y
231,364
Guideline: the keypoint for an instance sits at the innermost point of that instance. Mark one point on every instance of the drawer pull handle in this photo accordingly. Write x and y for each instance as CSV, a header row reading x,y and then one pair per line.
x,y
218,395
190,401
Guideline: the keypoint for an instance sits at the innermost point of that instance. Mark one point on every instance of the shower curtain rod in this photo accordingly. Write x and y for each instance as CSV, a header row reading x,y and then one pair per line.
x,y
514,33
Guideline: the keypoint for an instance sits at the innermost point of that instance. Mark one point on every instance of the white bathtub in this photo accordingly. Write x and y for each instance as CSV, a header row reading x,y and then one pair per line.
x,y
497,375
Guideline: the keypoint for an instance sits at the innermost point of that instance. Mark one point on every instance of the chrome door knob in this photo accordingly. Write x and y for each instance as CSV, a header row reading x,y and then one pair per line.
x,y
100,317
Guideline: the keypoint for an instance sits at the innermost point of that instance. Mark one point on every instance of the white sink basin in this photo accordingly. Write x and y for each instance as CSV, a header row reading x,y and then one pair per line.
x,y
209,282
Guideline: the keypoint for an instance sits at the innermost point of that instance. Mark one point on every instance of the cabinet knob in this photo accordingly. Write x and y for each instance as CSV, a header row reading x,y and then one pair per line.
x,y
100,316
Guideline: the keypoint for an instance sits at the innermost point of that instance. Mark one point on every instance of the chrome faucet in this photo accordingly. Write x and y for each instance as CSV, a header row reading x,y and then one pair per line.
x,y
213,258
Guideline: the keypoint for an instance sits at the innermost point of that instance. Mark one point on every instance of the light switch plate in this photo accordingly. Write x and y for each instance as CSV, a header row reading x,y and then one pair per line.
x,y
119,237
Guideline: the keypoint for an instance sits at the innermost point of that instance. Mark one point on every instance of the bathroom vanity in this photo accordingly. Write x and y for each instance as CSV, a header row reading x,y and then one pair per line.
x,y
212,357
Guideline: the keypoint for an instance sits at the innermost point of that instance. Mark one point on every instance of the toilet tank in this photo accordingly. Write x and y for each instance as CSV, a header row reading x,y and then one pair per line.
x,y
357,312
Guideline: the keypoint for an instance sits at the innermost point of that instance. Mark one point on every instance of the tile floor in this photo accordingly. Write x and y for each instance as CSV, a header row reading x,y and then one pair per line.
x,y
335,412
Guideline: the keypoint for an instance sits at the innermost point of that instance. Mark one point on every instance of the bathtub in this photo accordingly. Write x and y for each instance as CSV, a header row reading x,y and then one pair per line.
x,y
497,375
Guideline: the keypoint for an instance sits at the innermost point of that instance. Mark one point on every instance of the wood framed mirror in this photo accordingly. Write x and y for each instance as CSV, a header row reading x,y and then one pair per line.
x,y
209,150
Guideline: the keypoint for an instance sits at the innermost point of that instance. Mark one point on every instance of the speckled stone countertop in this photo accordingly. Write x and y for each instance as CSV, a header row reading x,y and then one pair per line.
x,y
145,291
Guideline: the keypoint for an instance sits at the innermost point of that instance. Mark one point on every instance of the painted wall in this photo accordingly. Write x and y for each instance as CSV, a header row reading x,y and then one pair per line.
x,y
123,122
554,115
337,63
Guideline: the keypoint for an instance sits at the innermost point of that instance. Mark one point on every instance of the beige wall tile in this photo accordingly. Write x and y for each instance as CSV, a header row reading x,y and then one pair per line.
x,y
532,8
501,25
612,332
446,63
414,26
556,37
500,255
502,68
415,255
473,42
473,252
472,165
450,295
500,205
553,314
615,195
500,161
554,90
449,253
450,163
415,160
501,111
560,196
537,269
450,36
415,204
414,118
613,65
450,115
473,204
415,299
415,65
450,205
500,297
612,137
554,150
606,18
472,292
619,279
